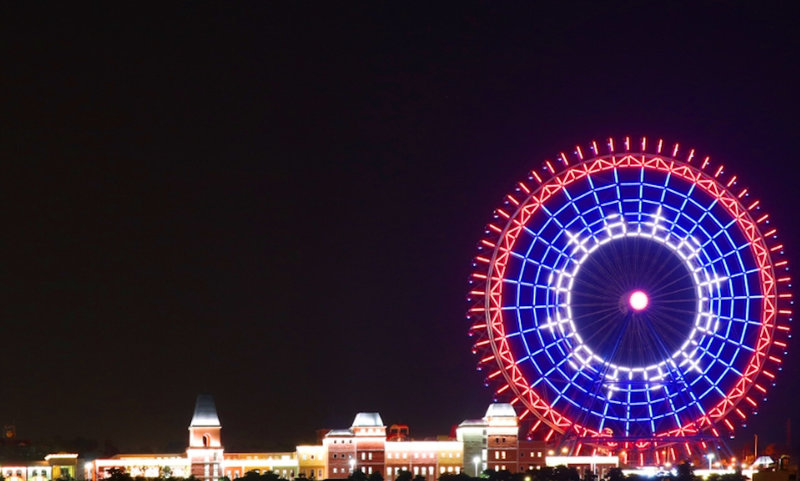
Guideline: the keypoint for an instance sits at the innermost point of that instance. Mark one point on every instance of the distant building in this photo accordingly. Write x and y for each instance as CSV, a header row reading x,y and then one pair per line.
x,y
54,466
491,442
205,457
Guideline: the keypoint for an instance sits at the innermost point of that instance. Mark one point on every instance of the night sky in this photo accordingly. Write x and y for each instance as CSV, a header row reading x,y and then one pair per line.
x,y
278,203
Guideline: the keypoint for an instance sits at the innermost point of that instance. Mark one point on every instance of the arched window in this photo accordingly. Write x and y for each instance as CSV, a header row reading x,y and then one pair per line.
x,y
206,440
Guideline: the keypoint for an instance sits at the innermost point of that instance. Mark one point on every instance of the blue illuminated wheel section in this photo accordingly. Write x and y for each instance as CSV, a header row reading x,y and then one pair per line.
x,y
630,295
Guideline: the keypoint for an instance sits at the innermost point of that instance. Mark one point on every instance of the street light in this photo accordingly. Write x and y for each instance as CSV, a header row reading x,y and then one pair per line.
x,y
476,460
709,456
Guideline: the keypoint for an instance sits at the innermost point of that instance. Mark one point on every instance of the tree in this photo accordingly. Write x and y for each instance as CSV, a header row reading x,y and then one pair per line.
x,y
615,474
456,477
404,476
116,474
255,476
564,473
498,475
685,472
375,476
357,475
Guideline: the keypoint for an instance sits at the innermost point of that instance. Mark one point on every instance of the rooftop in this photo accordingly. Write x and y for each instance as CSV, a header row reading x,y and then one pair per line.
x,y
205,412
367,420
501,410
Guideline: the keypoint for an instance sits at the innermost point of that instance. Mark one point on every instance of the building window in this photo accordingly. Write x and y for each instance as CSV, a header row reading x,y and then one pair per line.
x,y
363,456
370,457
503,455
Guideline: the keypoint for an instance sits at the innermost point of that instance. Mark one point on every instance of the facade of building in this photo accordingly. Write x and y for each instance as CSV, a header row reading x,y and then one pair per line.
x,y
491,442
54,466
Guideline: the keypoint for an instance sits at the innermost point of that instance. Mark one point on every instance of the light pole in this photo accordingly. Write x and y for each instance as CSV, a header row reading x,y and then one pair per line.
x,y
476,460
709,456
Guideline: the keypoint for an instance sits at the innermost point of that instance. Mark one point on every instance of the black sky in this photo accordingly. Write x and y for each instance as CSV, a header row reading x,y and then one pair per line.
x,y
278,203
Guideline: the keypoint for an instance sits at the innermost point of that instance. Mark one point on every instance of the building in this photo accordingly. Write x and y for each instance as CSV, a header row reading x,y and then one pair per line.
x,y
54,466
205,457
492,442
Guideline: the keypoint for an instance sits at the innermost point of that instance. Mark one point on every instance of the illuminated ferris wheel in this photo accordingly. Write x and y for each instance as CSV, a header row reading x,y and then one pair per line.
x,y
633,294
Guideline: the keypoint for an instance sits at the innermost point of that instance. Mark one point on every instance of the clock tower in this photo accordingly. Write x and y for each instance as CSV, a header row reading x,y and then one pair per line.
x,y
205,450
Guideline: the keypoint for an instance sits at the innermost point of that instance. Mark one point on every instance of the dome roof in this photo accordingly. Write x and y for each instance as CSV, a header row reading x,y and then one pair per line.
x,y
501,410
367,420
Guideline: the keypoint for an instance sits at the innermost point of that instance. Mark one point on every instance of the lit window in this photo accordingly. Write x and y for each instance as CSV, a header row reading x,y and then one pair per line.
x,y
335,470
363,456
441,470
496,455
503,455
539,454
370,456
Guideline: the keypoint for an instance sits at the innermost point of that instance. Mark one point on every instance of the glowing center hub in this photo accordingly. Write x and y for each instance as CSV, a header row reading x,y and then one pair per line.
x,y
638,300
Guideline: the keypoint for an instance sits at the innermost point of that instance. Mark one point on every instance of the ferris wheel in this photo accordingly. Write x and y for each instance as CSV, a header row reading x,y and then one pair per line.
x,y
633,293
